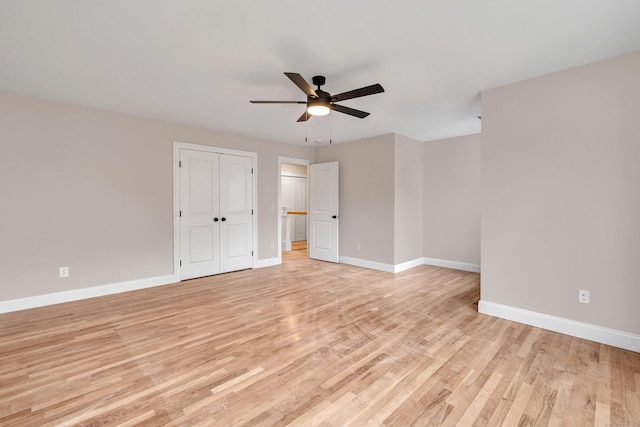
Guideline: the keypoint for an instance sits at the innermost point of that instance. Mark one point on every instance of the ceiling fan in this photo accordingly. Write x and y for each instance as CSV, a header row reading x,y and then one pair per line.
x,y
319,102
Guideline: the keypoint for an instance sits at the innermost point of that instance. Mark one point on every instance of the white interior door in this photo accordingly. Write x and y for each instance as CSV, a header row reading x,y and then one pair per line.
x,y
236,213
199,205
323,211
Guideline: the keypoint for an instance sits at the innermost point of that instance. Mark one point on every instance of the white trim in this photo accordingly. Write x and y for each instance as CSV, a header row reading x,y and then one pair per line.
x,y
374,265
176,209
177,146
84,293
292,175
211,149
397,268
407,265
456,265
574,328
268,262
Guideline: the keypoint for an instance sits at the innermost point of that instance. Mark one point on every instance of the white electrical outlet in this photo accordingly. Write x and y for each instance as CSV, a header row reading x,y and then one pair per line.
x,y
63,272
357,246
583,296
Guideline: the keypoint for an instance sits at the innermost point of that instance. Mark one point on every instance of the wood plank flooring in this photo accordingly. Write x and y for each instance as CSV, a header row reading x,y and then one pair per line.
x,y
306,343
299,245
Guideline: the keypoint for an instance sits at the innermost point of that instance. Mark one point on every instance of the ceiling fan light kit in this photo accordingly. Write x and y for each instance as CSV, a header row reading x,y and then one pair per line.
x,y
320,103
318,107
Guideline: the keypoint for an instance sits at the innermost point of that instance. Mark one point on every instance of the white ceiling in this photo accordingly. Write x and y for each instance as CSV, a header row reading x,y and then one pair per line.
x,y
199,62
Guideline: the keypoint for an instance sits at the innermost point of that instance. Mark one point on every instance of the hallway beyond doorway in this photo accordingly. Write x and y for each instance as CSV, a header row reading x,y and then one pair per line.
x,y
299,246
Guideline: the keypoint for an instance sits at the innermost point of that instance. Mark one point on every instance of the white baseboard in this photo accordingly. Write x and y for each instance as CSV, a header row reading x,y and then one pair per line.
x,y
84,293
397,268
268,262
456,265
587,331
407,265
374,265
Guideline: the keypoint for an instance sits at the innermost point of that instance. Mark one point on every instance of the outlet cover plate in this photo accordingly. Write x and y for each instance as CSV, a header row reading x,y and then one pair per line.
x,y
583,296
63,272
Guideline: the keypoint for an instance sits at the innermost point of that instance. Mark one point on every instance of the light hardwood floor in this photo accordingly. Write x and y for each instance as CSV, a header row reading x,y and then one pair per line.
x,y
299,246
305,343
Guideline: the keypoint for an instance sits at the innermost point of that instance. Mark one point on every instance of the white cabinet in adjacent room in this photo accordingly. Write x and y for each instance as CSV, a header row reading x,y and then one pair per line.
x,y
294,200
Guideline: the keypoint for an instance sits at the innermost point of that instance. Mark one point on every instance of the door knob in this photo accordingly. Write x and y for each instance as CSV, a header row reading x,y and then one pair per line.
x,y
215,219
335,216
223,219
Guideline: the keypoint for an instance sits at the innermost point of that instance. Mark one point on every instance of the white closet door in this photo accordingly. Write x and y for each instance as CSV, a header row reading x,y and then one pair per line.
x,y
236,211
199,205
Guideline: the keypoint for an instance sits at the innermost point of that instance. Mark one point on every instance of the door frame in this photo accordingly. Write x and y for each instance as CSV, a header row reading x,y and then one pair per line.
x,y
292,161
177,146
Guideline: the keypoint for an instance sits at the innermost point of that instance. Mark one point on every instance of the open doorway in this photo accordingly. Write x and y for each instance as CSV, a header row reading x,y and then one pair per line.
x,y
293,182
293,204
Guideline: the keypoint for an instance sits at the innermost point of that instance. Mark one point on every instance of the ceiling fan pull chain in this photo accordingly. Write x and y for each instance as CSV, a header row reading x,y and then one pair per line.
x,y
330,130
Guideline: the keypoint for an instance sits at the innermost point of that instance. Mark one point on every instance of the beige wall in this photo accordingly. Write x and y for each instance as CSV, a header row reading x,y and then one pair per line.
x,y
408,189
381,198
92,190
561,194
366,196
452,199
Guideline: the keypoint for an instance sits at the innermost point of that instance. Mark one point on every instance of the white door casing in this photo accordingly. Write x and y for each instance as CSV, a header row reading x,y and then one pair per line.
x,y
323,211
210,186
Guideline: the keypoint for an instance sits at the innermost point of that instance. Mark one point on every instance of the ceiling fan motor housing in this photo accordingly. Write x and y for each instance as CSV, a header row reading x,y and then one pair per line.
x,y
318,80
321,95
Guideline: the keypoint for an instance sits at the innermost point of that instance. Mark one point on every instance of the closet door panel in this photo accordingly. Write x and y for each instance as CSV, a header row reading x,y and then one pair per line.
x,y
199,205
236,211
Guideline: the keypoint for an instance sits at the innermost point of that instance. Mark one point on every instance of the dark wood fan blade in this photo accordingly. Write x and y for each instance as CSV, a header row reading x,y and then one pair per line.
x,y
304,117
357,93
277,102
349,111
302,84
